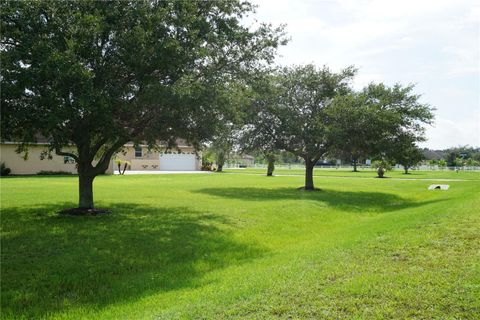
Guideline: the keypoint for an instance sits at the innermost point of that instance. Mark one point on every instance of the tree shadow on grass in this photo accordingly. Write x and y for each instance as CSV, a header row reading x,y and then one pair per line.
x,y
357,201
52,263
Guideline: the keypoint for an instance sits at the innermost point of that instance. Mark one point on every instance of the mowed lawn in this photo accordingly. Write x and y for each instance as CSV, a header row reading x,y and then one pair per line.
x,y
216,246
366,173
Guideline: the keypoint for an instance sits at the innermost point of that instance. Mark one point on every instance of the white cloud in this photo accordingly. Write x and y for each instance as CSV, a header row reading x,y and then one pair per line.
x,y
463,60
447,133
434,43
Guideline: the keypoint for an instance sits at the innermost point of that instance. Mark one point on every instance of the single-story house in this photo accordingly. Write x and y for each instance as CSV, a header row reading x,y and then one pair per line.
x,y
182,158
34,163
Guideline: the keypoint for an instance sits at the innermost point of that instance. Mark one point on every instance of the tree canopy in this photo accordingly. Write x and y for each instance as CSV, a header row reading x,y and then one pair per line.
x,y
258,134
292,112
313,112
405,152
381,122
354,135
94,75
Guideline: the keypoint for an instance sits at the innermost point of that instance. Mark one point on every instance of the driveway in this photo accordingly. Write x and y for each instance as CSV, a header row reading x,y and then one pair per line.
x,y
162,172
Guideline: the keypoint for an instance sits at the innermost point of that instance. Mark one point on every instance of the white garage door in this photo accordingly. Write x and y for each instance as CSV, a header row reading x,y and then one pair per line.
x,y
177,162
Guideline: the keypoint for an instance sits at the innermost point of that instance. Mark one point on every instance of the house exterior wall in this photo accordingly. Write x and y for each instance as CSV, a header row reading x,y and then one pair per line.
x,y
34,164
150,160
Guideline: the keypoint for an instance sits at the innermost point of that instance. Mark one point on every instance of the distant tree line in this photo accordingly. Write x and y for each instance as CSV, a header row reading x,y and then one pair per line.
x,y
453,157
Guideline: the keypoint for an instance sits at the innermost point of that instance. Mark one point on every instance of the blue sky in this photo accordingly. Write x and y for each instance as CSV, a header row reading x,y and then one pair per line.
x,y
434,44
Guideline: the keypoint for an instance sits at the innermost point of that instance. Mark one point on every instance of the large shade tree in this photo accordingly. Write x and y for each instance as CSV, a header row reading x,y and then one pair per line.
x,y
294,112
393,120
399,119
224,141
406,153
93,75
381,122
223,144
353,133
258,134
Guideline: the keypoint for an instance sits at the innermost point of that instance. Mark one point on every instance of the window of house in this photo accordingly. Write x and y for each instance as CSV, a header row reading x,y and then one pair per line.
x,y
138,152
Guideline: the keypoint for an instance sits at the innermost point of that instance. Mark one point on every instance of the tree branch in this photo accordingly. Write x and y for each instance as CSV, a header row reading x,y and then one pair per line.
x,y
318,156
59,152
97,146
104,161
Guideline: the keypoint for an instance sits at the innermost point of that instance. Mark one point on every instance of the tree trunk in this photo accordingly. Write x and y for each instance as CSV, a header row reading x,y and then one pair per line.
x,y
220,161
85,190
380,172
355,165
271,167
119,168
124,168
406,169
87,172
309,175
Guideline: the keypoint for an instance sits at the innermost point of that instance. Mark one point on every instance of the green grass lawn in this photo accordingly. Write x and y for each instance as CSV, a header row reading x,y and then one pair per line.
x,y
366,173
243,246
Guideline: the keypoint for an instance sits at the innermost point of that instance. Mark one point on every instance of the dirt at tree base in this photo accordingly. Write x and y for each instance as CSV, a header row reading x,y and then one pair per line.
x,y
84,212
314,189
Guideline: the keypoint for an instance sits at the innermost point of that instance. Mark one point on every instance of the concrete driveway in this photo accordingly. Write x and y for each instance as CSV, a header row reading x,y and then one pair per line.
x,y
162,172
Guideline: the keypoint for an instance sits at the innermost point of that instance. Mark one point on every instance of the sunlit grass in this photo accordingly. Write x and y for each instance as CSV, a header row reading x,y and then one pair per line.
x,y
242,246
365,172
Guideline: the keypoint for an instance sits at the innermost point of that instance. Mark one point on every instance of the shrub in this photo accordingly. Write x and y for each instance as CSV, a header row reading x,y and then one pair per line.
x,y
4,171
472,163
381,166
442,164
207,167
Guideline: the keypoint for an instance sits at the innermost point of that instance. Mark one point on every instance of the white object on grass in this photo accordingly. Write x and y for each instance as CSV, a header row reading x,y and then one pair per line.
x,y
438,187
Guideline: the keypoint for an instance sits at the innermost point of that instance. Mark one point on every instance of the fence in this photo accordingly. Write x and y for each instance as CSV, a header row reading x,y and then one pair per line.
x,y
348,167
